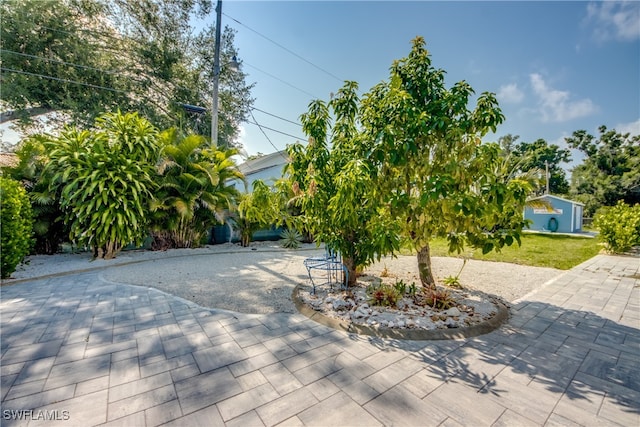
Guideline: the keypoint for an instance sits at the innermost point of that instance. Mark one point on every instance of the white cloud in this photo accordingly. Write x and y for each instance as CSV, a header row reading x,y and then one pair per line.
x,y
559,141
510,93
619,20
632,128
556,105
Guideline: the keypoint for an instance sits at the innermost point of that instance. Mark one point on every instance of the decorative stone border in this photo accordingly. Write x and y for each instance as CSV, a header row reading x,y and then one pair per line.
x,y
403,334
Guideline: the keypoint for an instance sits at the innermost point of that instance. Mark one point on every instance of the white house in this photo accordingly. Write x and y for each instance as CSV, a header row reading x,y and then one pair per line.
x,y
268,168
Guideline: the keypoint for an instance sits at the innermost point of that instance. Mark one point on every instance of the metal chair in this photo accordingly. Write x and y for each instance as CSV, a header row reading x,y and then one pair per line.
x,y
331,263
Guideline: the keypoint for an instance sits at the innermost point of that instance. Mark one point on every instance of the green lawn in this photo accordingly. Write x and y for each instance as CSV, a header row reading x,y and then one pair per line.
x,y
540,250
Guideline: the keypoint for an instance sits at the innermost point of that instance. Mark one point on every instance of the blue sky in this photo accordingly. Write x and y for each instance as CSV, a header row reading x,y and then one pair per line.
x,y
556,67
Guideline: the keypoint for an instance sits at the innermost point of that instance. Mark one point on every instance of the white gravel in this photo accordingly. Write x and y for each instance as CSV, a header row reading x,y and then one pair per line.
x,y
261,279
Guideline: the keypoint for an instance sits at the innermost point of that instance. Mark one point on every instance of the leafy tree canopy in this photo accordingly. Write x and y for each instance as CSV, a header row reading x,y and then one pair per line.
x,y
85,57
535,157
334,183
610,171
434,173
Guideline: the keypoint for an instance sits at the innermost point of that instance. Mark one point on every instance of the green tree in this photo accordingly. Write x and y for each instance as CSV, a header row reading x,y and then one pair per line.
x,y
508,143
85,57
434,173
39,40
194,188
16,231
537,156
610,172
334,184
105,178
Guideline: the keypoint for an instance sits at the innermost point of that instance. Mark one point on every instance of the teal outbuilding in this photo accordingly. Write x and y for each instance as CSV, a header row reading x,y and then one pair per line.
x,y
560,215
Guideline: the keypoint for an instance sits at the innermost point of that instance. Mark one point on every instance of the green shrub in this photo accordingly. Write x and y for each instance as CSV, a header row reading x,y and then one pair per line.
x,y
193,189
439,298
16,227
453,282
49,230
619,227
106,179
291,238
383,295
257,209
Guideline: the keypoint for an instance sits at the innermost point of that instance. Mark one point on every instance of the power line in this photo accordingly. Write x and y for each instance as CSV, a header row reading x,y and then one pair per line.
x,y
59,61
83,30
286,49
276,116
11,70
136,79
298,138
119,38
255,122
277,131
266,136
115,72
280,80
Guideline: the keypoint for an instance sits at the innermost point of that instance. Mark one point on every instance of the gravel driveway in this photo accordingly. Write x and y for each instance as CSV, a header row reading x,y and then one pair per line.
x,y
260,279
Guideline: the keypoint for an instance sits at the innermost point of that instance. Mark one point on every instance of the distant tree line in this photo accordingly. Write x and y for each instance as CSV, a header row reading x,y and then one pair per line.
x,y
609,172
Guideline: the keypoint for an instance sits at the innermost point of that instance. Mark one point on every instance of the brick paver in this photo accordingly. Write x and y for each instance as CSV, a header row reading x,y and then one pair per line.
x,y
78,350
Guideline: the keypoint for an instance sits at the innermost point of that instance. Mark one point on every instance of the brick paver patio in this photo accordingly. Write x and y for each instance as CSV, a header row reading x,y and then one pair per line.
x,y
77,350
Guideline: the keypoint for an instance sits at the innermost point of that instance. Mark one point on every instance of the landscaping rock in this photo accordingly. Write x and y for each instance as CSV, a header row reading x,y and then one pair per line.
x,y
340,305
452,312
450,323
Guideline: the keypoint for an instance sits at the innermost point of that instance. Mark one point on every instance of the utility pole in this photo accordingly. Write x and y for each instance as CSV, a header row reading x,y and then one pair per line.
x,y
216,78
546,174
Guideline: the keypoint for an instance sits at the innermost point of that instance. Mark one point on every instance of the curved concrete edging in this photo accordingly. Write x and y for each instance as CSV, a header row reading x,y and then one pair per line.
x,y
403,334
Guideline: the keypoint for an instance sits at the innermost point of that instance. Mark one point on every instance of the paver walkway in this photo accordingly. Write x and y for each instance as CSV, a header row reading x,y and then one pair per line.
x,y
88,352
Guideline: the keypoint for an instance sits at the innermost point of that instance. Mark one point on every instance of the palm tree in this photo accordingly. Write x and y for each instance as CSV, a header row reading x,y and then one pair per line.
x,y
194,189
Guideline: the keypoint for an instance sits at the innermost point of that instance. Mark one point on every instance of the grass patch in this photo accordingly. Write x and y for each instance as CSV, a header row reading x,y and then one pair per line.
x,y
538,250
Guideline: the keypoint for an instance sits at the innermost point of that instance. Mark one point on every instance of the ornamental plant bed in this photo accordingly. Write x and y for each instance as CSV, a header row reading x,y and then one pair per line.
x,y
383,304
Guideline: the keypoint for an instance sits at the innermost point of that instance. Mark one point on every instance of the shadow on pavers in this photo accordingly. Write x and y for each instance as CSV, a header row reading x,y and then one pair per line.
x,y
574,352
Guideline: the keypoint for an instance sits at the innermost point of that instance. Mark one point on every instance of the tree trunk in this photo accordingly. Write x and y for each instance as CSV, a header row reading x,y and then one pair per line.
x,y
351,269
424,267
111,249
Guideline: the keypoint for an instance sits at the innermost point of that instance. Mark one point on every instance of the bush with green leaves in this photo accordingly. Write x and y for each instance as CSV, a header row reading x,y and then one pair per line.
x,y
193,189
291,238
335,186
255,210
49,228
619,226
105,178
16,229
383,295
